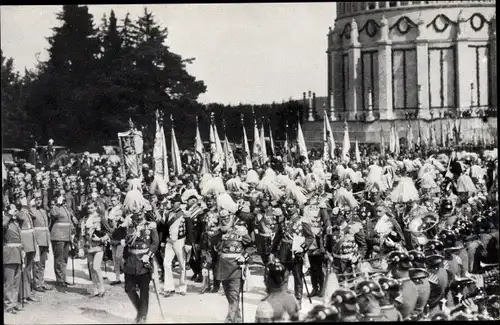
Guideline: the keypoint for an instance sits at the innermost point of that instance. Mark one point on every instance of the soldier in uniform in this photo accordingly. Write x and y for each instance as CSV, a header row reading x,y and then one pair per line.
x,y
438,279
391,300
29,245
266,227
140,246
208,224
320,222
62,225
13,256
419,276
41,224
346,302
399,265
279,305
232,246
293,237
323,314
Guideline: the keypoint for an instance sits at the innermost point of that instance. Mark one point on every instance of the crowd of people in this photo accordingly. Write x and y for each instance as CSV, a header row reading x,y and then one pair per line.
x,y
387,238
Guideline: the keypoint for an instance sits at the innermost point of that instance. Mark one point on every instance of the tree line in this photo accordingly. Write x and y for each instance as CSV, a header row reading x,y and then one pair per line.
x,y
97,77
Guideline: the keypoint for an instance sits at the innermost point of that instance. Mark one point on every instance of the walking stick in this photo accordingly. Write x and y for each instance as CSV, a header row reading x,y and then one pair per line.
x,y
73,263
157,296
243,277
303,278
22,283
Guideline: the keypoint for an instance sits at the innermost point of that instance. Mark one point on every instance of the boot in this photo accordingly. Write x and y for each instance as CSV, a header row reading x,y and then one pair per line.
x,y
206,286
199,279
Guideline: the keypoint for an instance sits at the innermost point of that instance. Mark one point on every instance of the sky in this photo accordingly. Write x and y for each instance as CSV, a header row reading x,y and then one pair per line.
x,y
248,53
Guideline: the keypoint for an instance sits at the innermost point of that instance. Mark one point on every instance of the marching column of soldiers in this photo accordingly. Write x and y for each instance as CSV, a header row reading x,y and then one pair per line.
x,y
380,240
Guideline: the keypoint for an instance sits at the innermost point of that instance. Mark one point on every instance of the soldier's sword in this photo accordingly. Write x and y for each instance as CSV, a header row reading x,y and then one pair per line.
x,y
156,293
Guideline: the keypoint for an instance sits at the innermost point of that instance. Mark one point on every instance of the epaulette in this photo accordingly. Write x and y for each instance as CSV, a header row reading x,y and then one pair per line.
x,y
152,225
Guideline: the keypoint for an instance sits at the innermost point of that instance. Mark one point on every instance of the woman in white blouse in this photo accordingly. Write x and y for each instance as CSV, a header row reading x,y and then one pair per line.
x,y
95,239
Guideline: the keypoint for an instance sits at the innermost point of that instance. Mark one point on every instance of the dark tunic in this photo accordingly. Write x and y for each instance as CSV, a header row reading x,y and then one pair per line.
x,y
136,247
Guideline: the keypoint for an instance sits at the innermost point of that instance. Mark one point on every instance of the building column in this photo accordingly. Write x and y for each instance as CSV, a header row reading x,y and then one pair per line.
x,y
385,81
354,55
464,78
333,82
423,79
493,63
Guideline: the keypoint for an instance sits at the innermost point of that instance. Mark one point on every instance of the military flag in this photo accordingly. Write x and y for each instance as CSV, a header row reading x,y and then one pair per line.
x,y
302,144
176,155
346,145
328,140
160,156
246,148
263,144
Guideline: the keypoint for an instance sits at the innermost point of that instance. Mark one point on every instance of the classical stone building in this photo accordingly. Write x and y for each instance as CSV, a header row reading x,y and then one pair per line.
x,y
397,62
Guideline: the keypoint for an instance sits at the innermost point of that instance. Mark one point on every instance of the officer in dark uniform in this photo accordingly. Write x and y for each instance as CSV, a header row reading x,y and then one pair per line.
x,y
438,279
232,246
292,227
208,225
13,256
368,292
316,215
266,227
420,276
392,299
399,265
346,302
141,244
279,305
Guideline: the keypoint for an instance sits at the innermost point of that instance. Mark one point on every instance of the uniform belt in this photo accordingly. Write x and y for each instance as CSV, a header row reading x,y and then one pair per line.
x,y
139,251
342,256
288,241
62,223
28,230
41,228
229,255
14,244
266,235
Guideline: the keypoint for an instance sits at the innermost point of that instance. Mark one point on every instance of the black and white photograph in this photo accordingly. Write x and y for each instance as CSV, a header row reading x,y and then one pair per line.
x,y
250,162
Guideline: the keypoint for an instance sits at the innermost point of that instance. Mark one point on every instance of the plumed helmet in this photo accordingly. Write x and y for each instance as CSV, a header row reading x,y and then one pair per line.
x,y
366,287
252,177
344,299
322,313
275,274
433,246
434,261
389,285
225,202
463,228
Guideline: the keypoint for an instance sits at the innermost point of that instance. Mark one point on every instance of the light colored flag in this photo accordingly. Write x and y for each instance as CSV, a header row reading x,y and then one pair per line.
x,y
410,137
263,144
271,140
357,153
257,144
346,145
302,144
198,144
443,135
392,143
160,155
382,142
248,159
328,140
396,141
228,153
213,145
176,155
433,137
218,146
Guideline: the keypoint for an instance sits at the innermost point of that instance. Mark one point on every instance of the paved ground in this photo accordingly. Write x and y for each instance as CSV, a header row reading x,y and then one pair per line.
x,y
76,306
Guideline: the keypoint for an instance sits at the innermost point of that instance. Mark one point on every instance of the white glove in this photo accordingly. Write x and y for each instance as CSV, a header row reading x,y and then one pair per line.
x,y
188,248
122,242
145,259
240,259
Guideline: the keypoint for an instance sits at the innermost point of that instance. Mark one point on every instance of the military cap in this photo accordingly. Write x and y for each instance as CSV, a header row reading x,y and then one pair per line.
x,y
369,287
459,283
277,212
440,316
276,272
399,258
418,274
433,246
224,213
389,284
37,194
434,260
448,238
344,298
417,258
322,313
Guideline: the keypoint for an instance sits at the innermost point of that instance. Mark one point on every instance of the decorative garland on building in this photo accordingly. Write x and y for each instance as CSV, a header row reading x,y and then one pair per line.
x,y
403,25
371,27
477,26
347,31
444,19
